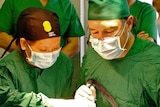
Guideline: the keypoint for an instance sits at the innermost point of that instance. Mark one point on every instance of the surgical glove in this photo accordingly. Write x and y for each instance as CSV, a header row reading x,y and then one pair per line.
x,y
84,92
50,102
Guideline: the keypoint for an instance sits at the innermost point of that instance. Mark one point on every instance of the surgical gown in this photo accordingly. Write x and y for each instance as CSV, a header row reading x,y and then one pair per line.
x,y
22,84
133,81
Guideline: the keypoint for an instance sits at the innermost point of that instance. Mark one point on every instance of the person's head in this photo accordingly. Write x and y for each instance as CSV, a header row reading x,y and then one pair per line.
x,y
38,35
156,4
131,2
109,22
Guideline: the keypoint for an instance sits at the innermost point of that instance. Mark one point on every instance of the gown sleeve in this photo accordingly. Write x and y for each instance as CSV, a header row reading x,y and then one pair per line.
x,y
9,96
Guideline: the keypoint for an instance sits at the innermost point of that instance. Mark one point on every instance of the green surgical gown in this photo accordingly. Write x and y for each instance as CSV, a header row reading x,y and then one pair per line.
x,y
133,81
146,17
21,83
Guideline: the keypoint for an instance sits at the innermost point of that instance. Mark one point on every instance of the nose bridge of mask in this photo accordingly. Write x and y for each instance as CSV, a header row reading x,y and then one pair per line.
x,y
44,59
96,43
94,40
109,42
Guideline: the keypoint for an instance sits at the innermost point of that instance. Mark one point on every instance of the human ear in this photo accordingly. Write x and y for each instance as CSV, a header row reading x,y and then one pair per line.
x,y
130,20
23,43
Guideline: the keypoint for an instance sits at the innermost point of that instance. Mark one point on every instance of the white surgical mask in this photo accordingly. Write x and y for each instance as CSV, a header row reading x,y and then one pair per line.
x,y
110,47
43,59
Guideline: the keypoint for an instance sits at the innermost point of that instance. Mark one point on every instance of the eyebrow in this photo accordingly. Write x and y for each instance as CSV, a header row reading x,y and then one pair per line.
x,y
108,28
111,27
91,29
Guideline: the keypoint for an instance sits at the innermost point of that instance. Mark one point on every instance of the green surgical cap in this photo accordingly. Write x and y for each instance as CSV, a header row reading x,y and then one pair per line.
x,y
107,9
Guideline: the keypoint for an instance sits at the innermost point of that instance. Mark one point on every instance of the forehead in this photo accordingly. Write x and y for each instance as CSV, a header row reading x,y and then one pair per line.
x,y
104,23
47,41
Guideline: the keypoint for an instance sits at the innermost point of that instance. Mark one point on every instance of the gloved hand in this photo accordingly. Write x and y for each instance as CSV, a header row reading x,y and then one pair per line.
x,y
84,92
78,102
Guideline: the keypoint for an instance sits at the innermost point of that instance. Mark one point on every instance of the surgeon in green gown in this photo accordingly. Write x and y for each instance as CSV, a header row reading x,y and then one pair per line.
x,y
71,28
127,66
146,19
38,74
